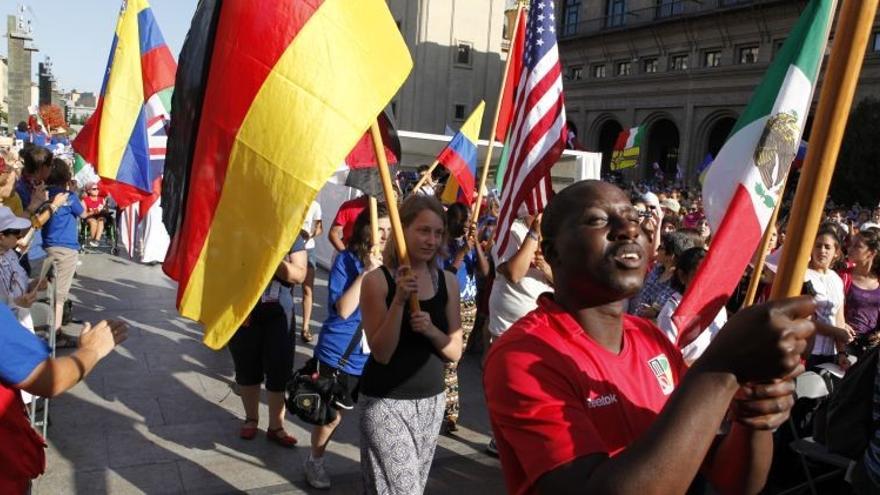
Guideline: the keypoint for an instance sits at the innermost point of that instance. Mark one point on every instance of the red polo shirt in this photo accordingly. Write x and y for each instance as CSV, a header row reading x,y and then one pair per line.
x,y
348,213
554,394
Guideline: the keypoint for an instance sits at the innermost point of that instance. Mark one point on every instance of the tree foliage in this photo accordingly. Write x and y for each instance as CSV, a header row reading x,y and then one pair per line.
x,y
855,178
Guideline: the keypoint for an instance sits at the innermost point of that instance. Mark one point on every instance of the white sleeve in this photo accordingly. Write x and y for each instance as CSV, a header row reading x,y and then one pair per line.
x,y
518,233
664,319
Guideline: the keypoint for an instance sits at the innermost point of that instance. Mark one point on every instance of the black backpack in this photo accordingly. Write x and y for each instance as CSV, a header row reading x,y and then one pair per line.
x,y
844,423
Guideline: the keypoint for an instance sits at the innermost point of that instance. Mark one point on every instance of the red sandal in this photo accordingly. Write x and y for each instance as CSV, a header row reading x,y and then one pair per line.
x,y
280,437
249,432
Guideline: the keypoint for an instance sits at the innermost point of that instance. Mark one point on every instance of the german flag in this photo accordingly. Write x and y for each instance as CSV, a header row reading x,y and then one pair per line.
x,y
270,100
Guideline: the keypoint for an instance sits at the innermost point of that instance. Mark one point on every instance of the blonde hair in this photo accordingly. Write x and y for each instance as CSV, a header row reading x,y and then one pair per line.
x,y
409,210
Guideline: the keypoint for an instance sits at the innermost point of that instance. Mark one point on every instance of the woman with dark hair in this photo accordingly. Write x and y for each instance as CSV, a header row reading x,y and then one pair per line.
x,y
402,388
657,288
60,240
466,261
862,303
826,287
685,270
343,322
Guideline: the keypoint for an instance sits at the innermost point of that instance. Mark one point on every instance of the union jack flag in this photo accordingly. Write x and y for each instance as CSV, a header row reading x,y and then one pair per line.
x,y
538,132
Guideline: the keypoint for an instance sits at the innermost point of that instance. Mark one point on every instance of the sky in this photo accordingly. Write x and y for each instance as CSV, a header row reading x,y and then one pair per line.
x,y
77,34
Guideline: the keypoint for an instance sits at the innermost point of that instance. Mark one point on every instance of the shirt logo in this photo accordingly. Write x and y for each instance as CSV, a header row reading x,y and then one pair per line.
x,y
663,373
602,401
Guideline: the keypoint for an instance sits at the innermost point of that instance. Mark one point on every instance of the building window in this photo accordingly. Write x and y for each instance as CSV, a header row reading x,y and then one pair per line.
x,y
678,62
712,58
668,8
748,55
459,112
624,68
615,13
570,13
599,71
650,65
876,45
463,54
576,72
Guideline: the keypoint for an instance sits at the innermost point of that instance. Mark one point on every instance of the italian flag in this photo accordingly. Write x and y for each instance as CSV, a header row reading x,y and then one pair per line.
x,y
627,148
744,182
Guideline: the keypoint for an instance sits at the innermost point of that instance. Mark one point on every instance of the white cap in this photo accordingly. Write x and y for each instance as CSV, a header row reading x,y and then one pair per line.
x,y
651,199
8,220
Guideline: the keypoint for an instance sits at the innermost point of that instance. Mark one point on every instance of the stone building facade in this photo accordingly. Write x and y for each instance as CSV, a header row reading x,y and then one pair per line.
x,y
685,69
20,48
459,52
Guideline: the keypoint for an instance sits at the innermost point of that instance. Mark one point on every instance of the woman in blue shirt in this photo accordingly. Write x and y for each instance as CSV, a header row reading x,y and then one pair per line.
x,y
343,321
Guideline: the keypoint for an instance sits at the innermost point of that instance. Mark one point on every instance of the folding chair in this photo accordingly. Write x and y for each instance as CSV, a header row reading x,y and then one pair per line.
x,y
811,385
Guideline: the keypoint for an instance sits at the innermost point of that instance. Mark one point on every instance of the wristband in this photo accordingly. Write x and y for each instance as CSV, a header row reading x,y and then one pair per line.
x,y
534,236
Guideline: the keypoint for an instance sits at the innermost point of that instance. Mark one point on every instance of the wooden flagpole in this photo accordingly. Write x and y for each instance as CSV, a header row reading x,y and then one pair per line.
x,y
391,200
835,101
426,175
762,252
374,225
485,173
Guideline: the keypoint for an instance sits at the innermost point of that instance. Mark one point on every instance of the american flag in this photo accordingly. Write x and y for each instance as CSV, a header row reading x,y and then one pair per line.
x,y
537,132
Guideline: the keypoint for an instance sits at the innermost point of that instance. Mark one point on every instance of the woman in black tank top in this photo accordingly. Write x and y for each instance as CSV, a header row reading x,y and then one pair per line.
x,y
402,388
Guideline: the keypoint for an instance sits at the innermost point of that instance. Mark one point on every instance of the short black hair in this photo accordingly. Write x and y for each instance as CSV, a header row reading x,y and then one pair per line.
x,y
688,262
60,173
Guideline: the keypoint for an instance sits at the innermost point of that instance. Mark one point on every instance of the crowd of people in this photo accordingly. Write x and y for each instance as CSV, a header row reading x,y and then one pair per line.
x,y
41,208
575,320
585,385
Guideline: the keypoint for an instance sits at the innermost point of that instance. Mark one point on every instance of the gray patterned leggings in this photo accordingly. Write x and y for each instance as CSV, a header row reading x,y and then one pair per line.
x,y
398,438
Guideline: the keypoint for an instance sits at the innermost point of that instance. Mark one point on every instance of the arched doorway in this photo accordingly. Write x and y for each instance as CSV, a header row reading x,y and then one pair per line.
x,y
718,134
608,133
663,142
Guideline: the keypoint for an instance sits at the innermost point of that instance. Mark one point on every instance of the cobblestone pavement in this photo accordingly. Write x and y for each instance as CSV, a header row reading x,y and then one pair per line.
x,y
159,415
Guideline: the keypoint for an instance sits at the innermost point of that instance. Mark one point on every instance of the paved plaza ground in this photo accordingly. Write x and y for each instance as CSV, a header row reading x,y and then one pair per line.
x,y
159,415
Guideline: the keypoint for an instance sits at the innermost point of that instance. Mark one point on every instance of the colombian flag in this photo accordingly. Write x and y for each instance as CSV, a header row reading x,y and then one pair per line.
x,y
460,158
270,101
125,138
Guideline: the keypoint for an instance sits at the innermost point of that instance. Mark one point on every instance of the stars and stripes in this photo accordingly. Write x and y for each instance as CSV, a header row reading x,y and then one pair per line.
x,y
538,131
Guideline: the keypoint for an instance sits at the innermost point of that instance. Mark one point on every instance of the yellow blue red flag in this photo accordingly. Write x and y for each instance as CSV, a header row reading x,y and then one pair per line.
x,y
125,138
460,158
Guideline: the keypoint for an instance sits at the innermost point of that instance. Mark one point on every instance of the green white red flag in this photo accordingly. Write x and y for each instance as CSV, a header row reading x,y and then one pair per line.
x,y
627,148
743,184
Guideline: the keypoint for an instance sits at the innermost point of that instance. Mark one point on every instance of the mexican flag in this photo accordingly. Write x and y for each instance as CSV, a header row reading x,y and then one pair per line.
x,y
745,180
84,173
627,148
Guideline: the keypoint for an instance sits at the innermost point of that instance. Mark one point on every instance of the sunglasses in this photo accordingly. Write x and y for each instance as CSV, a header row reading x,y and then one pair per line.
x,y
16,232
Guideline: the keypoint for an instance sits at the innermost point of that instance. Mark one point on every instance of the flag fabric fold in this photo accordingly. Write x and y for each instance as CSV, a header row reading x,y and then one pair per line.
x,y
505,114
460,158
125,138
360,168
743,184
537,130
310,78
627,148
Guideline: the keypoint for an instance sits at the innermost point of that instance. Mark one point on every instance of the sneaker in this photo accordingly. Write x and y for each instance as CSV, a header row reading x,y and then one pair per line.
x,y
492,449
316,476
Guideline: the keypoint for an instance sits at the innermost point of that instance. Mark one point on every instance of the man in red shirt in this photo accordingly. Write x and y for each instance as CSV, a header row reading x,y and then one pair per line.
x,y
343,224
584,398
